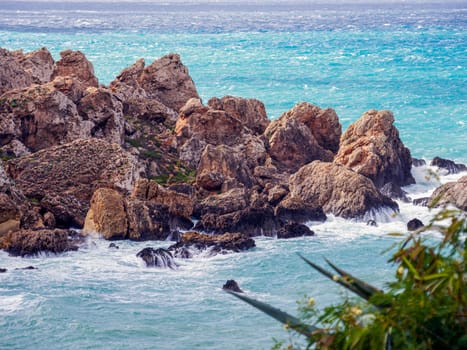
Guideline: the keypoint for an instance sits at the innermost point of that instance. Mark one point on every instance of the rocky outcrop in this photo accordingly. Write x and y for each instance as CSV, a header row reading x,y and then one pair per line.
x,y
105,111
449,165
63,179
295,210
160,257
32,242
371,146
301,135
236,210
39,64
199,126
75,64
39,117
454,193
250,112
166,80
12,73
10,215
338,190
179,205
216,244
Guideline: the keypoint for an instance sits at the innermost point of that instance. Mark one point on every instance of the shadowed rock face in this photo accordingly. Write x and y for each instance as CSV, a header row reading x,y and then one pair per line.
x,y
32,242
63,179
338,190
454,193
371,146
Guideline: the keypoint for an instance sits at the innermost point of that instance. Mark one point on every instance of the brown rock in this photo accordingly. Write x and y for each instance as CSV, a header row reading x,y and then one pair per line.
x,y
12,74
105,111
75,64
296,210
63,178
9,215
323,124
198,126
32,242
166,80
107,215
39,64
371,146
292,144
178,204
338,190
147,220
249,111
454,193
39,117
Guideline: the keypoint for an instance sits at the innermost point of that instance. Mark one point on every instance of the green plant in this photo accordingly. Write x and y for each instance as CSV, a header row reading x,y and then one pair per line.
x,y
424,308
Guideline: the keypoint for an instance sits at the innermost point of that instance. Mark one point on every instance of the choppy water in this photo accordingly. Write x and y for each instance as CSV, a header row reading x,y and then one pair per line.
x,y
410,58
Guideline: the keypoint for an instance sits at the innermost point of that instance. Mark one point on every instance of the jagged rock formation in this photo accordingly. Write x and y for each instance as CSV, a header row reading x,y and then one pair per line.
x,y
338,190
62,179
449,165
143,157
371,146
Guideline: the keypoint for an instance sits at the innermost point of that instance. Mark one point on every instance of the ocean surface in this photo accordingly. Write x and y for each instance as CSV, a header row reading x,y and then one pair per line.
x,y
409,57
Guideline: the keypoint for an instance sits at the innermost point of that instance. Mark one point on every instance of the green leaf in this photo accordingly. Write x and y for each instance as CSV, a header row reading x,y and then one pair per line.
x,y
281,316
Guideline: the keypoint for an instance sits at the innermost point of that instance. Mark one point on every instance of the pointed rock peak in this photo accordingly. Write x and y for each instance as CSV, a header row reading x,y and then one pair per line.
x,y
75,63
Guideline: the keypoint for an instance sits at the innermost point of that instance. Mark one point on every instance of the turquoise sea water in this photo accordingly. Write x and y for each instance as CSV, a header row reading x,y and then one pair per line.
x,y
410,58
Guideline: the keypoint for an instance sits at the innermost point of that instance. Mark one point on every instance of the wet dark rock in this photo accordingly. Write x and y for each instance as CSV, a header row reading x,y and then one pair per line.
x,y
423,202
394,191
2,270
293,230
32,242
159,257
418,162
371,223
449,165
227,242
232,285
114,246
414,224
27,268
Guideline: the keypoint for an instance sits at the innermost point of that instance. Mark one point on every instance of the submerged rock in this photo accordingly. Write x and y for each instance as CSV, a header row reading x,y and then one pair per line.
x,y
2,270
423,202
449,165
416,162
338,190
371,146
414,224
224,243
114,246
159,257
32,242
27,268
232,285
